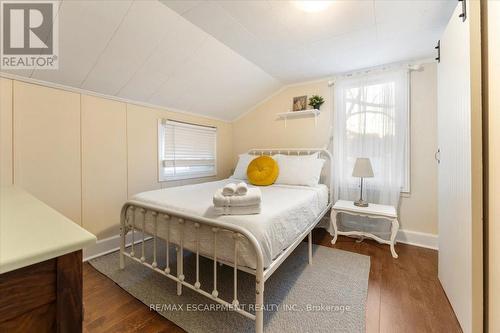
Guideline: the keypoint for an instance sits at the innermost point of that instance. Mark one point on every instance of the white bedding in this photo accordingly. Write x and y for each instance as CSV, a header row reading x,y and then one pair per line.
x,y
286,211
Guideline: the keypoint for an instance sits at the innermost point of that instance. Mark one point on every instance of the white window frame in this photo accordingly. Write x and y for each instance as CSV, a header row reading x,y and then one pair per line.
x,y
161,176
406,189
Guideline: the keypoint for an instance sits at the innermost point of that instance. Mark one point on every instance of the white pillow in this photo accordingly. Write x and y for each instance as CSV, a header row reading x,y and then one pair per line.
x,y
240,172
299,171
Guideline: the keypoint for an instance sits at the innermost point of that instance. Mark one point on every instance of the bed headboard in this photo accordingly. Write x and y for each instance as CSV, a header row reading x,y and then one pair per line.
x,y
326,173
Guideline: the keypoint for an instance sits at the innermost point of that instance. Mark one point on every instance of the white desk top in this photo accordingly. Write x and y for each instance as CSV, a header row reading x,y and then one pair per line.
x,y
372,209
32,232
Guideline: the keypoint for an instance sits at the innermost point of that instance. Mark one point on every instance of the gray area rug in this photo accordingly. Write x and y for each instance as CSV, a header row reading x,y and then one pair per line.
x,y
327,296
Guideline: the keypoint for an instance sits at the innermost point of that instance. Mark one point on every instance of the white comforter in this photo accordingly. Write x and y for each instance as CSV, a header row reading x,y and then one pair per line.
x,y
286,212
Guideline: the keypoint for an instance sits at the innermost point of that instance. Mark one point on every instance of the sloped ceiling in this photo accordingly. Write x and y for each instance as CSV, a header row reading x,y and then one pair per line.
x,y
294,45
144,51
219,58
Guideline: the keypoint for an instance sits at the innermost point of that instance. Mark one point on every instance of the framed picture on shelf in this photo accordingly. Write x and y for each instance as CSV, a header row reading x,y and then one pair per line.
x,y
299,103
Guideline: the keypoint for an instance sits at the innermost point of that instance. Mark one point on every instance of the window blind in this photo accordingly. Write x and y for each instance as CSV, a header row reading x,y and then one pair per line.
x,y
186,150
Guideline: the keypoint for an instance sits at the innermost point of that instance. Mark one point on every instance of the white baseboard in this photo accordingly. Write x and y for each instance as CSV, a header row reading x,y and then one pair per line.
x,y
111,244
108,245
416,238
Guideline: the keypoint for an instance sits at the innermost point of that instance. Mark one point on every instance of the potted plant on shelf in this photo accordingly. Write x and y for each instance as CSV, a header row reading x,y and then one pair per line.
x,y
315,101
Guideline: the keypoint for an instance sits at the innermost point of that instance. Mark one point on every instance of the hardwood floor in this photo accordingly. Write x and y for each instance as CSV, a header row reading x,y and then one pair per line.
x,y
404,294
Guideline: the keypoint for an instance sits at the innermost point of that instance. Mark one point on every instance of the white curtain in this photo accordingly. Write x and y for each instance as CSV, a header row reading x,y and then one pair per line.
x,y
371,120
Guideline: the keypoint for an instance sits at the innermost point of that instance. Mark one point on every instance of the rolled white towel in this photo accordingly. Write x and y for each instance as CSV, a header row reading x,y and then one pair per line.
x,y
241,188
229,189
253,197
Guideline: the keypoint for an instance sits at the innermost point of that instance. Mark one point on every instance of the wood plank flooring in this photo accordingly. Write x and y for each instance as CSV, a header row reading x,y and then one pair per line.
x,y
404,295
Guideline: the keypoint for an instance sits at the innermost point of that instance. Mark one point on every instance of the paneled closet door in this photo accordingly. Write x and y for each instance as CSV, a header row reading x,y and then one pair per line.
x,y
454,194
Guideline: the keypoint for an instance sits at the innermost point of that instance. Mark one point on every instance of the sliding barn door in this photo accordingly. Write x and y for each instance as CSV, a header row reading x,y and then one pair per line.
x,y
455,127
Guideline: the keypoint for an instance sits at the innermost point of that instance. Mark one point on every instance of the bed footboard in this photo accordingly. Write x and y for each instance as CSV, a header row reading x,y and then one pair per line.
x,y
128,224
137,252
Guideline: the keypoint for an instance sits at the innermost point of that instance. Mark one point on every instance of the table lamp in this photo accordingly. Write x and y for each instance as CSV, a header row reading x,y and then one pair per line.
x,y
362,169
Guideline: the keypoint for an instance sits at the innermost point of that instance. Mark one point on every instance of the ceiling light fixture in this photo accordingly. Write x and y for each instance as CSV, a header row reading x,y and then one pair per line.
x,y
312,6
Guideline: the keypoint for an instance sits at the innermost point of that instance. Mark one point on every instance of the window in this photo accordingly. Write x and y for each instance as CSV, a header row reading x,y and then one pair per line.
x,y
186,150
373,116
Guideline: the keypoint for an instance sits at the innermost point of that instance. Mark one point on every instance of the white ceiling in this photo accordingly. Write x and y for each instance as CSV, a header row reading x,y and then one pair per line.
x,y
293,45
219,58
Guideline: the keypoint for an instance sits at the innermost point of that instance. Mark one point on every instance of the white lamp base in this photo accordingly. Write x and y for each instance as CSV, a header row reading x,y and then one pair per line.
x,y
361,203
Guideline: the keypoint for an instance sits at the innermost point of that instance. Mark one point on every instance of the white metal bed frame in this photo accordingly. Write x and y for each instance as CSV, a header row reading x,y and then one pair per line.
x,y
131,207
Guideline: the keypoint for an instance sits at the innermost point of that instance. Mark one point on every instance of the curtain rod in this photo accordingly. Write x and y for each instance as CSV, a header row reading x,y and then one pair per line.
x,y
380,69
188,123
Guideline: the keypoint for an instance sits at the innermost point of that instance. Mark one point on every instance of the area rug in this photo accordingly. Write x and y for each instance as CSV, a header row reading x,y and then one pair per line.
x,y
327,296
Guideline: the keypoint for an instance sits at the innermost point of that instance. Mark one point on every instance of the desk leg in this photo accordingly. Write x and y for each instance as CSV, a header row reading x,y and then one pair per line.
x,y
333,221
394,232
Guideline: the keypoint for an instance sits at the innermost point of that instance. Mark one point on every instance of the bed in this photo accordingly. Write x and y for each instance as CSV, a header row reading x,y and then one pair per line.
x,y
257,244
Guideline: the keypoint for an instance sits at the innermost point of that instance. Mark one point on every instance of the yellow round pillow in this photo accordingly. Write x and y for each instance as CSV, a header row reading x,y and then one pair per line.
x,y
262,171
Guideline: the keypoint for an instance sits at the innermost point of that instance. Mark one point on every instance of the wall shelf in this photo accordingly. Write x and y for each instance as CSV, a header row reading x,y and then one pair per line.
x,y
300,114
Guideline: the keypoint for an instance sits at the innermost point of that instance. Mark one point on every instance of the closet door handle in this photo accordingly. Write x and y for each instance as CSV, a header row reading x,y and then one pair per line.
x,y
437,156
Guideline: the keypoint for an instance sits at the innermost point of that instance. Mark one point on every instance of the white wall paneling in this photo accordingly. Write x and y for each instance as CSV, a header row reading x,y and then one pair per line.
x,y
85,155
5,132
492,25
47,146
104,164
455,175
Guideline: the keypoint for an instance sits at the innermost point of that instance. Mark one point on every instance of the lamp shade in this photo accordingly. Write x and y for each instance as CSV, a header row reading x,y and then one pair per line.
x,y
362,168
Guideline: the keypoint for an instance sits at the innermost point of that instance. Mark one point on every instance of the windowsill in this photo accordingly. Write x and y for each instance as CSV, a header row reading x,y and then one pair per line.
x,y
405,194
173,179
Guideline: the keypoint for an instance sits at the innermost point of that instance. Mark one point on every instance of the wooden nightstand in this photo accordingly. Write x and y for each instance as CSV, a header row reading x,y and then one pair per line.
x,y
372,211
